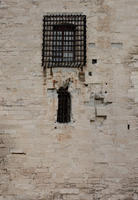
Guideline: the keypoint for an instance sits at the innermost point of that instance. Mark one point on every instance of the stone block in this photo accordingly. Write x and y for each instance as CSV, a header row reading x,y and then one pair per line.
x,y
82,76
135,64
135,57
50,85
69,191
94,79
101,111
117,45
17,151
108,98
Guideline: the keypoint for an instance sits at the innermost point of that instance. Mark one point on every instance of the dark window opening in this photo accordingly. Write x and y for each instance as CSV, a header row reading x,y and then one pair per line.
x,y
64,41
90,73
94,61
64,106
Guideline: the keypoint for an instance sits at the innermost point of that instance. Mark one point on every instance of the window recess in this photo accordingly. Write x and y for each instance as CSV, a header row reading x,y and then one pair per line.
x,y
64,106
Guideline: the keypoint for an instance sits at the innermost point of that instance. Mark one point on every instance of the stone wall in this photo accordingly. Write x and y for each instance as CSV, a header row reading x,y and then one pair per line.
x,y
95,156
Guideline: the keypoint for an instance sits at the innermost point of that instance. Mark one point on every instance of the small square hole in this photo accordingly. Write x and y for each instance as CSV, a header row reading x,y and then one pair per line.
x,y
94,61
90,73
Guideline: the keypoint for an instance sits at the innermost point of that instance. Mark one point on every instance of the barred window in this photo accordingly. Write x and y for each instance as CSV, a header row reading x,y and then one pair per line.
x,y
64,41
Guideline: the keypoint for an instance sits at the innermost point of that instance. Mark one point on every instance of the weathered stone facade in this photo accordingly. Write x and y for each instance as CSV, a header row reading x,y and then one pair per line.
x,y
95,156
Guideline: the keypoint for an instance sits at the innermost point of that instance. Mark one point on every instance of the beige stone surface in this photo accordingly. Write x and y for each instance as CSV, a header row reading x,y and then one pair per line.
x,y
95,156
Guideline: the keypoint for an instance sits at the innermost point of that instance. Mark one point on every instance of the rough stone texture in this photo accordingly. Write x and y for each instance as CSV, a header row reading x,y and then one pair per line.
x,y
96,155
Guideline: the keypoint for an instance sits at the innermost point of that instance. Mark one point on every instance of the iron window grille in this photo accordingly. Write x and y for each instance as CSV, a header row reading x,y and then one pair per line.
x,y
64,41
